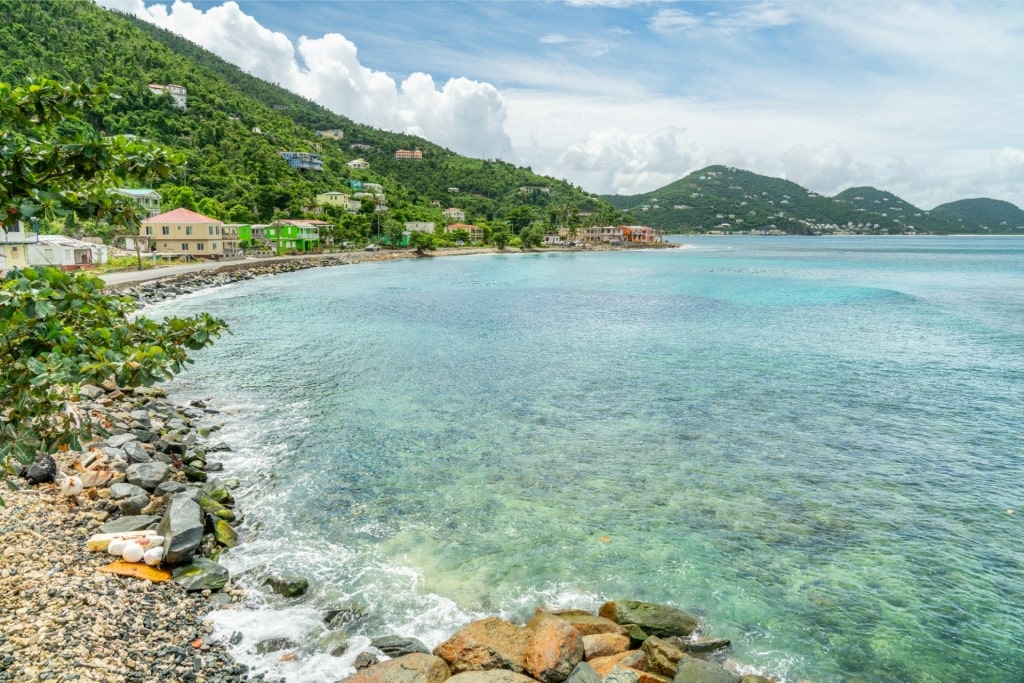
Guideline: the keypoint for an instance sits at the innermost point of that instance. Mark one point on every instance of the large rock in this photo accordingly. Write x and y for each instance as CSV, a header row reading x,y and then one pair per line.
x,y
287,584
147,475
654,619
553,651
202,574
489,643
632,659
490,676
129,523
583,673
182,529
412,668
42,470
698,671
124,490
662,656
397,646
136,452
588,624
604,645
119,440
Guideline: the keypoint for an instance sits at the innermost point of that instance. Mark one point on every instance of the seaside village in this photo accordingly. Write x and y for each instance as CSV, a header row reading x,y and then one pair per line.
x,y
181,234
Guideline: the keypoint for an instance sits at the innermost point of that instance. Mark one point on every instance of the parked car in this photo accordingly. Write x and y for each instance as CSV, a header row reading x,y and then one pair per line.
x,y
372,247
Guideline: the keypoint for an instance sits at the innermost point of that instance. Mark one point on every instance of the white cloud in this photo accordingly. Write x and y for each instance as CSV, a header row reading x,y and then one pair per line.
x,y
744,19
464,115
824,167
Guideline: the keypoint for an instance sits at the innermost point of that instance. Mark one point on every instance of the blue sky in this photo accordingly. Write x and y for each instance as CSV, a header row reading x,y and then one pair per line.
x,y
924,99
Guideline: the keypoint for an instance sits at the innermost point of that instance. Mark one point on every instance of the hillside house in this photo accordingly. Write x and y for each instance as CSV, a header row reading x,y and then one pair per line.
x,y
420,226
303,161
340,199
186,233
358,163
454,214
408,154
177,93
331,133
147,200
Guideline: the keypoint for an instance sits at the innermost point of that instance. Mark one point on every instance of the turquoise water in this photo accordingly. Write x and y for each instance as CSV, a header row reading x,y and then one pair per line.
x,y
813,443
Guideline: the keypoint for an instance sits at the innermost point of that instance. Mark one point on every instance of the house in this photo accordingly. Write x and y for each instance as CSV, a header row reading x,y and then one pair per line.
x,y
638,234
420,226
294,235
358,163
454,214
476,233
177,93
185,233
373,187
14,248
65,253
408,154
147,200
341,199
332,133
303,161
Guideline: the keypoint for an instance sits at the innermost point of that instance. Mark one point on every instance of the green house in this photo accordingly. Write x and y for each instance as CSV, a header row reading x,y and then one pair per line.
x,y
288,236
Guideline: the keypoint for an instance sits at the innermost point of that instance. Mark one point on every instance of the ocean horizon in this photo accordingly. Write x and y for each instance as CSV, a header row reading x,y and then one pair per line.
x,y
813,443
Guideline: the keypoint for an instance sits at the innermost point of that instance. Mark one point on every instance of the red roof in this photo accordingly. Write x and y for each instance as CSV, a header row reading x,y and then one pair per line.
x,y
181,215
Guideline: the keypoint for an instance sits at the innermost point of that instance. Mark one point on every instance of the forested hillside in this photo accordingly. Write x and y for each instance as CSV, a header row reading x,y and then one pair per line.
x,y
726,199
234,125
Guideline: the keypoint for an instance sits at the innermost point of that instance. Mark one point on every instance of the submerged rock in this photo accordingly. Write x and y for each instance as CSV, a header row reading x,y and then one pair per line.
x,y
698,671
654,619
202,574
287,584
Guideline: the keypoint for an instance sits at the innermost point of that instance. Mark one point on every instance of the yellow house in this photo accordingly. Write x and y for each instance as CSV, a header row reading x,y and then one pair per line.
x,y
186,233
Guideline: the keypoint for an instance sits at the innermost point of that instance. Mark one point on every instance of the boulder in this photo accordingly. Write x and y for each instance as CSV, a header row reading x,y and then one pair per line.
x,y
124,490
136,452
90,392
118,440
130,523
202,574
662,656
133,505
397,646
583,673
631,659
588,624
411,668
182,529
698,671
553,651
147,475
621,674
654,619
604,644
275,645
489,643
225,534
491,676
287,584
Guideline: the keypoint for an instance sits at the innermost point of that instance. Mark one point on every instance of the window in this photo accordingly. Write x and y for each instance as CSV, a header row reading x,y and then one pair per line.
x,y
200,246
149,230
210,229
184,246
166,230
188,229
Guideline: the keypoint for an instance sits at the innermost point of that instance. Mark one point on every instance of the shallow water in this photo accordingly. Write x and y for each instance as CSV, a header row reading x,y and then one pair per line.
x,y
813,443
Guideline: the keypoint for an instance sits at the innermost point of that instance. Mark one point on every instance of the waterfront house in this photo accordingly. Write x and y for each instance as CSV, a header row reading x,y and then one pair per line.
x,y
476,233
638,234
290,235
420,226
182,232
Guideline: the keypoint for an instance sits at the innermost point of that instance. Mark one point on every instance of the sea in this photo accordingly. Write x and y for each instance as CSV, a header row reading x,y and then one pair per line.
x,y
812,443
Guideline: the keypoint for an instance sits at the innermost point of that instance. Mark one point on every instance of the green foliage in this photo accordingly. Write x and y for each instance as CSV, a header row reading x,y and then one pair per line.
x,y
422,241
59,330
982,216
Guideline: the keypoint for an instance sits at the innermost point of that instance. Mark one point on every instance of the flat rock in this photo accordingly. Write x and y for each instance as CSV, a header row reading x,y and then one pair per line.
x,y
412,668
148,475
490,643
125,490
129,523
202,574
654,619
491,676
699,671
604,644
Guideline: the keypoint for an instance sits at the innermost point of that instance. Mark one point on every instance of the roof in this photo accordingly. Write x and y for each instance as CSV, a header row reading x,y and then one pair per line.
x,y
137,192
181,215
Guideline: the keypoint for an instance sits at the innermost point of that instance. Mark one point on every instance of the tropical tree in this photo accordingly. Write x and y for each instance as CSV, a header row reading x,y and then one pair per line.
x,y
422,241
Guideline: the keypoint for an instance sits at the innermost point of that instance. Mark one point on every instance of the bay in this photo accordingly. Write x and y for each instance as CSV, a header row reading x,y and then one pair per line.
x,y
812,443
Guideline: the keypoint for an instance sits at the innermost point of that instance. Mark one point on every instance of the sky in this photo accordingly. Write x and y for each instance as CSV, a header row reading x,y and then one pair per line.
x,y
923,99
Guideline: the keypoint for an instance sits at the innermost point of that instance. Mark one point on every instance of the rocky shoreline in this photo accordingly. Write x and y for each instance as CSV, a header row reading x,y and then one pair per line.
x,y
63,617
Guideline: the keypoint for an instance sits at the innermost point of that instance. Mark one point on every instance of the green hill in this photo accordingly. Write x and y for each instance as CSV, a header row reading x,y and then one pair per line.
x,y
982,215
727,199
235,125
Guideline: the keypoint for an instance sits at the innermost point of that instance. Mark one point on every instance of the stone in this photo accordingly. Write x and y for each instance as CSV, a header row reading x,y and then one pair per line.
x,y
705,645
662,656
148,475
118,440
654,619
182,529
219,492
200,575
275,645
411,668
553,651
169,486
698,671
621,674
631,659
42,470
124,490
136,452
365,660
491,676
287,584
397,646
133,505
604,644
583,673
90,392
225,534
489,643
130,523
588,624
